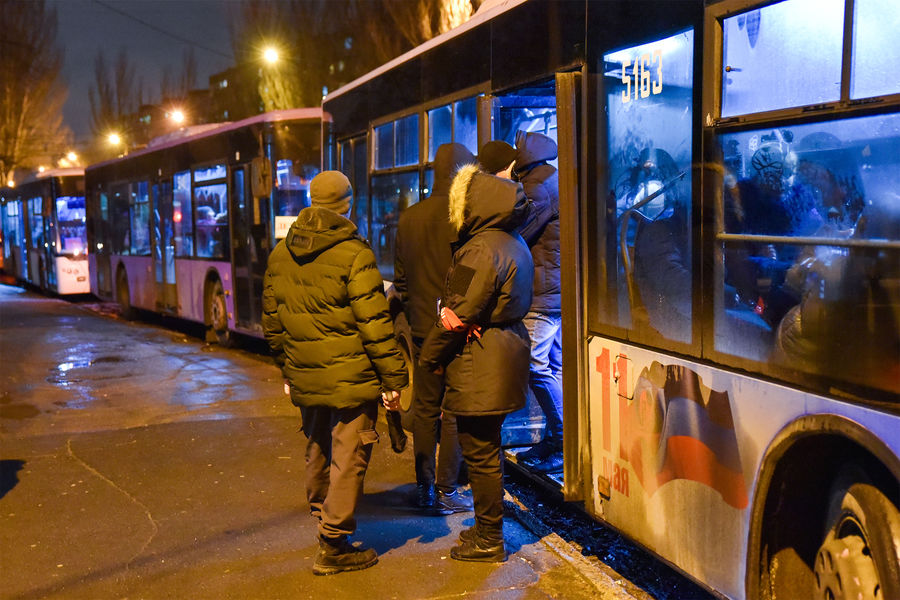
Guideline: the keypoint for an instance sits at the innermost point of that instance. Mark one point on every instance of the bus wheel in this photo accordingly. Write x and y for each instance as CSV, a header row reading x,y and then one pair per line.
x,y
860,556
123,296
217,316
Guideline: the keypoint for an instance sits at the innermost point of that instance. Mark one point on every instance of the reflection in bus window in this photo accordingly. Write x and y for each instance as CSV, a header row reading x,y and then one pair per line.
x,y
876,53
70,214
799,37
140,219
181,217
650,185
440,128
119,219
212,220
37,222
391,194
407,149
465,123
292,186
812,306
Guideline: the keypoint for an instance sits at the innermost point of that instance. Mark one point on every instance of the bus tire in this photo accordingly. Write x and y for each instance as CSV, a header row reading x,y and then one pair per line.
x,y
216,315
404,338
123,295
860,553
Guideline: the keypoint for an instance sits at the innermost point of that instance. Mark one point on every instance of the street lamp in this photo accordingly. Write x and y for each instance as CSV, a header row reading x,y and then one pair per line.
x,y
177,116
114,139
270,55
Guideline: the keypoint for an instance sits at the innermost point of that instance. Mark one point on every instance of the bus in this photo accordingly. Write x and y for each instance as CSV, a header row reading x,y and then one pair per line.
x,y
184,226
43,223
730,240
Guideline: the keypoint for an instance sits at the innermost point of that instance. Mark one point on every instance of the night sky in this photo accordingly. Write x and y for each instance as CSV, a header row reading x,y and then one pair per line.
x,y
86,26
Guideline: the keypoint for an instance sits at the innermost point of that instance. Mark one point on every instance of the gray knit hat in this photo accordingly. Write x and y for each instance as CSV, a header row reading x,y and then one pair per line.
x,y
331,190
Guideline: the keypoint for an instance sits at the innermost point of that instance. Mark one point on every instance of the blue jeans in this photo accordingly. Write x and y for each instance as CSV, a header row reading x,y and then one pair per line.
x,y
545,377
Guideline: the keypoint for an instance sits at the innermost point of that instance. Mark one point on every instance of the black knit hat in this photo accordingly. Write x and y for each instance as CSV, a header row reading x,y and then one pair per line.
x,y
331,189
495,156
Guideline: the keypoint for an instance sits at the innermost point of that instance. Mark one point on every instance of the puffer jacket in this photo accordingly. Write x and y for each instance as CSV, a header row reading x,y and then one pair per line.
x,y
541,227
423,243
489,286
325,316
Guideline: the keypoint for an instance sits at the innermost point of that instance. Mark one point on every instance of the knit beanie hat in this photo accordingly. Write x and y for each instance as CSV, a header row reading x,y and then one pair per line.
x,y
331,190
495,156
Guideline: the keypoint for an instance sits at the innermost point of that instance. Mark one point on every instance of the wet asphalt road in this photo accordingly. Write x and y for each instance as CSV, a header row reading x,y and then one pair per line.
x,y
138,462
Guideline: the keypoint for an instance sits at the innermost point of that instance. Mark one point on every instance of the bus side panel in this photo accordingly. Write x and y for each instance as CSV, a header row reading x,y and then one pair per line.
x,y
191,278
140,281
72,275
676,451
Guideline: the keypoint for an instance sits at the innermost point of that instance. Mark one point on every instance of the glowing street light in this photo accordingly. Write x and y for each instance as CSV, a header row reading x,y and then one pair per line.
x,y
177,116
73,158
270,55
114,139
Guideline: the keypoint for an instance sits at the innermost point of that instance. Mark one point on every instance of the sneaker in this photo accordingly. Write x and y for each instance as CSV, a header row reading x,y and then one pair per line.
x,y
550,464
335,556
478,549
454,502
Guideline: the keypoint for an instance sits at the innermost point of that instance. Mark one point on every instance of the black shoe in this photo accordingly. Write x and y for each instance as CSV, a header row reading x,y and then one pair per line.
x,y
538,452
455,502
467,535
551,464
335,556
478,549
426,501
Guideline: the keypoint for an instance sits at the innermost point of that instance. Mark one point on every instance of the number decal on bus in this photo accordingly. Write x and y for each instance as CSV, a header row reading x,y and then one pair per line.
x,y
641,73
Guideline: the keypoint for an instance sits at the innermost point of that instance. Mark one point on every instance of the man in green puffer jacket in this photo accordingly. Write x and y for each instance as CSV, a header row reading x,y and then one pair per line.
x,y
326,320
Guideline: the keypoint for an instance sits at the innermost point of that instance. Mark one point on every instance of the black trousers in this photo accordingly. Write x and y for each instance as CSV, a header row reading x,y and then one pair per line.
x,y
479,437
429,424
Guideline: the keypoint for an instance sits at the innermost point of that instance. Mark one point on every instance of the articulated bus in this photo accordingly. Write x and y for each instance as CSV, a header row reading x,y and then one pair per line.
x,y
43,222
729,178
184,226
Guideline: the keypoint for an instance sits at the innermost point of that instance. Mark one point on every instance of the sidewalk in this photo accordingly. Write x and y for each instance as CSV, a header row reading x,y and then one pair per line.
x,y
216,509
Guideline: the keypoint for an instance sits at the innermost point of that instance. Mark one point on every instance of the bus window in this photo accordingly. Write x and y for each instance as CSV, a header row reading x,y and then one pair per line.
x,y
140,219
649,99
440,128
800,37
36,219
212,220
391,194
296,162
875,49
70,214
407,144
465,123
120,222
183,223
816,306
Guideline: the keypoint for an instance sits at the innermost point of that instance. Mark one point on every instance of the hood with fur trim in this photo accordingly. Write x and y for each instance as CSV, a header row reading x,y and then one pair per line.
x,y
479,201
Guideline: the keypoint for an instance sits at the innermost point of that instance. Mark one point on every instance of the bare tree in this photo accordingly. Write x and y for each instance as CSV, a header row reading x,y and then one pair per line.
x,y
116,96
187,78
31,93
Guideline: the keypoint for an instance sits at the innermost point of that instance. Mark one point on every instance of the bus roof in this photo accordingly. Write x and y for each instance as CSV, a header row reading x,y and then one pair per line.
x,y
488,10
197,132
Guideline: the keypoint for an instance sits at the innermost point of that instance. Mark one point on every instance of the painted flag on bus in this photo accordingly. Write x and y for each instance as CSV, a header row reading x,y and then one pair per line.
x,y
677,428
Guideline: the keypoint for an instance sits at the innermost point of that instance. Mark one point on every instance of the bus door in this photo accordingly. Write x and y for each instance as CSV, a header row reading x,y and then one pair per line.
x,y
527,109
103,245
163,250
248,265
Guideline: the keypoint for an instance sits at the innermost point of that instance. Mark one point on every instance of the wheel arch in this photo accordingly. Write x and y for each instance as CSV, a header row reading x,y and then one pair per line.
x,y
798,450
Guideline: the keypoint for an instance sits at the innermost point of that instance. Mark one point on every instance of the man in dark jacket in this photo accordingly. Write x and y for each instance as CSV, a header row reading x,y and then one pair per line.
x,y
326,320
544,319
481,344
420,265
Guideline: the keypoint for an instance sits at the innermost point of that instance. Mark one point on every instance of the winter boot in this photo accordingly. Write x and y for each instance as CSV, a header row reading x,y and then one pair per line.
x,y
337,554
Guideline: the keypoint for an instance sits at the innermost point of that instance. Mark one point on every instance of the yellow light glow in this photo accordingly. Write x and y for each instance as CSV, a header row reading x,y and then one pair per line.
x,y
177,116
270,55
41,169
72,156
114,139
11,183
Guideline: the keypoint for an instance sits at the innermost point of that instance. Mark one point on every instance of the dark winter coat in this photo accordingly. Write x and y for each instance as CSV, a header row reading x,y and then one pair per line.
x,y
325,316
541,227
489,285
423,243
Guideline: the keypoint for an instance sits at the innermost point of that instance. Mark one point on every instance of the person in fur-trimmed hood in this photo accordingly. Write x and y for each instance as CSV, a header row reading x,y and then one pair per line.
x,y
480,342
